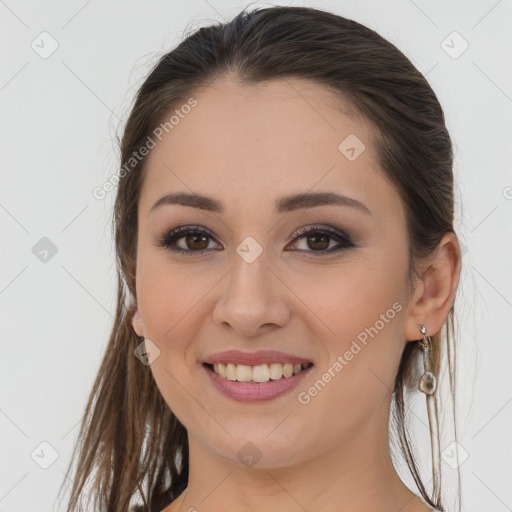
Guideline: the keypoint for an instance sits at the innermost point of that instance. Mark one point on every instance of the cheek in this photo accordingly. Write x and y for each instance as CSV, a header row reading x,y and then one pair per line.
x,y
347,301
171,303
362,318
174,303
171,297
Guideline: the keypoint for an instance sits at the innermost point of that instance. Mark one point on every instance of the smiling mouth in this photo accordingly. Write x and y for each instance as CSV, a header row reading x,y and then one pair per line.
x,y
256,374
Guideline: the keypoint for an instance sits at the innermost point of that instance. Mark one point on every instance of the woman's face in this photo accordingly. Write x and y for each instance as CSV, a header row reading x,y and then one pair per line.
x,y
247,286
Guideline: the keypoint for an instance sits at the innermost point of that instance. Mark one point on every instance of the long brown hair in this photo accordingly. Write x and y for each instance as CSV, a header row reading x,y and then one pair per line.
x,y
130,444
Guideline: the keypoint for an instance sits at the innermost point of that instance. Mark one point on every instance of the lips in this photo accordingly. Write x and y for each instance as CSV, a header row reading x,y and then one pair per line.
x,y
256,376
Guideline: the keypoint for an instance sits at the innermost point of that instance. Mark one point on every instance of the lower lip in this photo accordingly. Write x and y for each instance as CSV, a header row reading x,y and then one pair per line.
x,y
255,392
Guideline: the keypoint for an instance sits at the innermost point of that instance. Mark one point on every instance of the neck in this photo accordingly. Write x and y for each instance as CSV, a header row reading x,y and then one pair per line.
x,y
356,474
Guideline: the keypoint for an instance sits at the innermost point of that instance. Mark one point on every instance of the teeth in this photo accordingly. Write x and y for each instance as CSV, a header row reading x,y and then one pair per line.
x,y
276,371
243,373
259,373
287,370
230,371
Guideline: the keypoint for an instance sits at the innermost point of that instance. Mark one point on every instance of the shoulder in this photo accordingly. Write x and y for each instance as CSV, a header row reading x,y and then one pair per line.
x,y
140,508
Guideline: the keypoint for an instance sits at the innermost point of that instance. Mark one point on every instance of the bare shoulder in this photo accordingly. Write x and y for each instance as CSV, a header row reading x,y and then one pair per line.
x,y
174,506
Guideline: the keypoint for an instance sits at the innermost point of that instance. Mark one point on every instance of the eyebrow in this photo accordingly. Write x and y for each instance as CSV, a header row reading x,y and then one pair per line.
x,y
284,204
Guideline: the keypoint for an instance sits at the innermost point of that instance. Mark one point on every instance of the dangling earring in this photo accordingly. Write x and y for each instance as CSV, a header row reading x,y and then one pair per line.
x,y
428,385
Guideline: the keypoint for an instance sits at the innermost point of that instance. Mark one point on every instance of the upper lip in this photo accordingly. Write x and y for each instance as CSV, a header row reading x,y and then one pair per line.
x,y
255,358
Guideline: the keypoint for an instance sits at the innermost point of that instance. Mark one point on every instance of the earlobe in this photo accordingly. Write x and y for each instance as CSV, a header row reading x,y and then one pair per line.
x,y
137,323
435,292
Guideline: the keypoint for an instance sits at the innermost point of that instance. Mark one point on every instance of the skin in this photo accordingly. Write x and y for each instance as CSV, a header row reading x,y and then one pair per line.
x,y
248,146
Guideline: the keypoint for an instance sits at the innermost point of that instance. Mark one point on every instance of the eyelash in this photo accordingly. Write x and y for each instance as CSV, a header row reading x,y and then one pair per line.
x,y
169,239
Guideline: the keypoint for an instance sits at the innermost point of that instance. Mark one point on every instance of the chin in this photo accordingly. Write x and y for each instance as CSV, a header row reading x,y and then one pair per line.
x,y
256,452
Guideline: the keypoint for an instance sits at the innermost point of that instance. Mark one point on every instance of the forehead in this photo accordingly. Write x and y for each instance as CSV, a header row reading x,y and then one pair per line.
x,y
249,143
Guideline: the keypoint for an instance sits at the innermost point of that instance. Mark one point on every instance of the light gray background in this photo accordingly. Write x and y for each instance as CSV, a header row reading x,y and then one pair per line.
x,y
59,118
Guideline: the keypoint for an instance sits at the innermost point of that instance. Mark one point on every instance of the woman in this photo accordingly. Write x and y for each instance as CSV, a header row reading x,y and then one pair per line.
x,y
286,263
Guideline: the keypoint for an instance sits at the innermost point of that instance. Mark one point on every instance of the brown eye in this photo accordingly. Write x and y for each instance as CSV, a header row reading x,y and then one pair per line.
x,y
186,240
317,240
196,242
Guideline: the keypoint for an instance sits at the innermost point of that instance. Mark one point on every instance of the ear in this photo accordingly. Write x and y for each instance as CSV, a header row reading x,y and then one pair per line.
x,y
137,323
435,291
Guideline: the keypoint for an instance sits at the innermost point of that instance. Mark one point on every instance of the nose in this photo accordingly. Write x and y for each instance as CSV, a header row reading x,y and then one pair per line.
x,y
253,299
